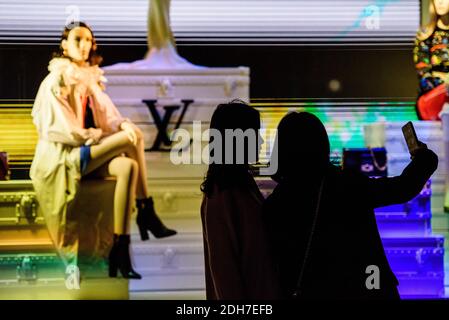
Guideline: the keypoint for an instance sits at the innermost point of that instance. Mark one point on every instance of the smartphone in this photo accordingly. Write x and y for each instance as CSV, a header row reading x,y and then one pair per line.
x,y
410,137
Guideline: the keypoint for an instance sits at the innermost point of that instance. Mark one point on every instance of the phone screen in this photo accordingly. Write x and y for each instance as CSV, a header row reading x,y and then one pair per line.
x,y
410,136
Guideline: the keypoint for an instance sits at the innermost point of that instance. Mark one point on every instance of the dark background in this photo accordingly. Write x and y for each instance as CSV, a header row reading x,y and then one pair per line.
x,y
277,71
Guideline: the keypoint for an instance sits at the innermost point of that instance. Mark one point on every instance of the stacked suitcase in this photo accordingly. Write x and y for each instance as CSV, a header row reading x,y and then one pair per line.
x,y
414,253
411,239
30,267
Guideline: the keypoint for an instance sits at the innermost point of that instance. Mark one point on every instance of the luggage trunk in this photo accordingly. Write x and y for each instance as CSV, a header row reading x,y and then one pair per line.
x,y
418,263
30,267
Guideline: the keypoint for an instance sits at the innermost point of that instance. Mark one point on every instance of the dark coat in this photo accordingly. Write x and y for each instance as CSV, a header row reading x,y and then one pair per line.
x,y
346,239
237,261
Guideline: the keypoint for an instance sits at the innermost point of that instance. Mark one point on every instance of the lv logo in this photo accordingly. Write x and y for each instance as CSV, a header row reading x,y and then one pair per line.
x,y
162,124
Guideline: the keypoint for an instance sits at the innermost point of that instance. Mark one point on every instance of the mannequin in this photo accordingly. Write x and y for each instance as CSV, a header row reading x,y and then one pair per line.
x,y
82,133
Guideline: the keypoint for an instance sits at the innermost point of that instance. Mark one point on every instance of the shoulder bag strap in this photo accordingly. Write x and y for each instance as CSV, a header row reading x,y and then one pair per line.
x,y
309,243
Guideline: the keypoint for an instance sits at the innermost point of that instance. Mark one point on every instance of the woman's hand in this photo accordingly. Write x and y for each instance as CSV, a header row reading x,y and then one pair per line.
x,y
129,128
421,146
94,136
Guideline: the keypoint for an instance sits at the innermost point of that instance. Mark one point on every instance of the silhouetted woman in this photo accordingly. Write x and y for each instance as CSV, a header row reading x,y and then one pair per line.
x,y
345,244
237,262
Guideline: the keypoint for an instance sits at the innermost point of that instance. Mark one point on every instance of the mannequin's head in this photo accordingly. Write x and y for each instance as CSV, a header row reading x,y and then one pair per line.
x,y
78,44
441,7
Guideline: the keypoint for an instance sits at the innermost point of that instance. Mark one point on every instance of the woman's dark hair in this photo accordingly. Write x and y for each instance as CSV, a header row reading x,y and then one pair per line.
x,y
94,57
226,117
302,147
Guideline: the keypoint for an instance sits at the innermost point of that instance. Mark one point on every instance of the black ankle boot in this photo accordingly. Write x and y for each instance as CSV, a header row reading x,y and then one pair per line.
x,y
119,258
147,219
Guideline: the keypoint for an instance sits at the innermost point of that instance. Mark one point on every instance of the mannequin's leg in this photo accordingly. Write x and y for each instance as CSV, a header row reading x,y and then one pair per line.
x,y
125,170
108,149
105,161
147,219
115,145
138,154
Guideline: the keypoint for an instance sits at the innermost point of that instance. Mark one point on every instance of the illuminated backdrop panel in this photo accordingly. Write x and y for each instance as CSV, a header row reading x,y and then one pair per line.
x,y
219,21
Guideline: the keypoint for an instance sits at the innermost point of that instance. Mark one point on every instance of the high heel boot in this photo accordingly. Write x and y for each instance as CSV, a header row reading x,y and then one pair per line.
x,y
119,258
147,219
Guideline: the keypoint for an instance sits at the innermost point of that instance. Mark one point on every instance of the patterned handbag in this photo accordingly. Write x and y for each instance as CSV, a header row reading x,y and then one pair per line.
x,y
430,104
